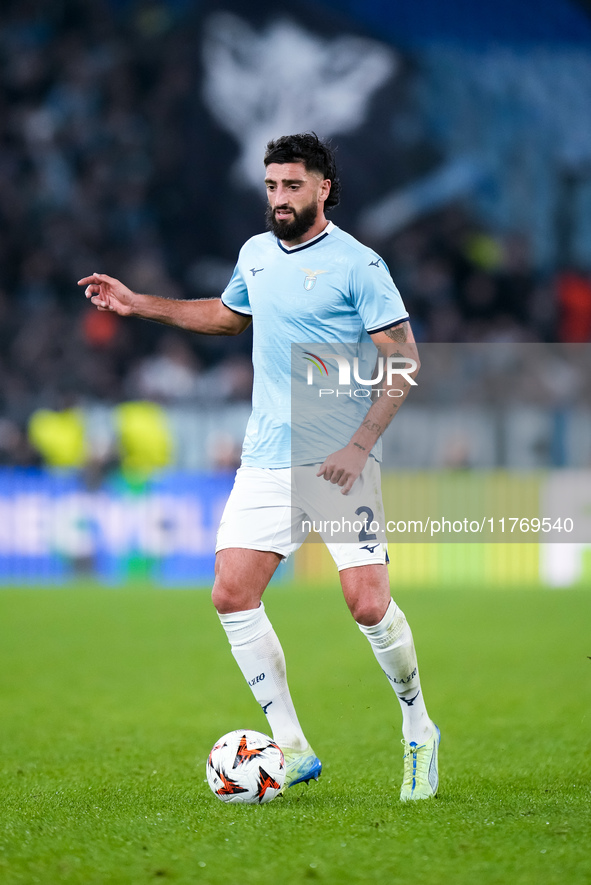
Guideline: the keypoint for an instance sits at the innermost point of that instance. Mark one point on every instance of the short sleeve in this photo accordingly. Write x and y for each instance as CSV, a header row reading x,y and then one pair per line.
x,y
235,295
375,297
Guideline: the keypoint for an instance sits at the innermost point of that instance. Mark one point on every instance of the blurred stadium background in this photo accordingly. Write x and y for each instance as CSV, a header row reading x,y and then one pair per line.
x,y
131,143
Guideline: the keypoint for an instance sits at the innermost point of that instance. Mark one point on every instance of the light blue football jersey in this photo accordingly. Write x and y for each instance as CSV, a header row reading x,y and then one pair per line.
x,y
329,290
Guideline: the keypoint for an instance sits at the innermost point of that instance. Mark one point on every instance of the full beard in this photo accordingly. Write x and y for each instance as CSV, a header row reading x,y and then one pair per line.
x,y
299,225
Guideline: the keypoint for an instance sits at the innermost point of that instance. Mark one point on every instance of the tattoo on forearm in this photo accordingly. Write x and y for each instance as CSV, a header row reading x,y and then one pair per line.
x,y
359,446
398,333
373,426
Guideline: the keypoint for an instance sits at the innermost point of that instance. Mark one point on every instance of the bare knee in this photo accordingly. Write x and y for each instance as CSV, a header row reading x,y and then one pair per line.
x,y
241,577
226,599
231,592
367,593
368,611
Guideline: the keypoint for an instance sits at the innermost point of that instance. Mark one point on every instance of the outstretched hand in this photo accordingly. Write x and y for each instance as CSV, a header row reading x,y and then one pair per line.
x,y
107,293
344,467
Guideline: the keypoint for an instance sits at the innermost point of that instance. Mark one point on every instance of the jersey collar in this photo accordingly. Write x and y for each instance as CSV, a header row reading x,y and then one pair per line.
x,y
289,249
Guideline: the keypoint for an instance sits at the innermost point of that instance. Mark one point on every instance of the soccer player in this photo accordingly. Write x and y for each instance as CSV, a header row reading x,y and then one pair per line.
x,y
305,280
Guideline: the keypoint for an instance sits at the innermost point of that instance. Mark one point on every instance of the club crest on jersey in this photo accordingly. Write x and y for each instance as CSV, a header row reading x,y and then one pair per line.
x,y
312,276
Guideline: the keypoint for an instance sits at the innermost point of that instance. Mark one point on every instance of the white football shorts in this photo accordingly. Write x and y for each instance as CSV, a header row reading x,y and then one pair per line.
x,y
276,509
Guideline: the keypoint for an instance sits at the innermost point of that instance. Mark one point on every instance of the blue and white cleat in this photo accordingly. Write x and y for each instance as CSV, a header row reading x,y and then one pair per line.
x,y
301,766
421,775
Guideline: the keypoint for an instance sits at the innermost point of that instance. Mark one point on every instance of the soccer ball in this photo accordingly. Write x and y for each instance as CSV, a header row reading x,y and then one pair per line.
x,y
246,766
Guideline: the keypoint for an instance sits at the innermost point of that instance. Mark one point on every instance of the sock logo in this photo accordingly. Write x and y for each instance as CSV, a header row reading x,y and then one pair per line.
x,y
395,681
256,679
411,701
266,707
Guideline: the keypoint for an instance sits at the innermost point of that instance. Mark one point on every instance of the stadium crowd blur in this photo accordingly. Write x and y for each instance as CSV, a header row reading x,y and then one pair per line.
x,y
92,162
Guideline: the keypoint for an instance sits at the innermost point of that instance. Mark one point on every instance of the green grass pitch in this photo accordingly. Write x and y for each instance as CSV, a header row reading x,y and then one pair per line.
x,y
111,699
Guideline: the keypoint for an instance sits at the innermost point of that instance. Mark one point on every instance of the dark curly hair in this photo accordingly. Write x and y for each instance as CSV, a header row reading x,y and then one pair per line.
x,y
315,154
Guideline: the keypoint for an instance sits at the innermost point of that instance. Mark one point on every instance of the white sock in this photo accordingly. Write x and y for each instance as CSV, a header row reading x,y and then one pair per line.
x,y
259,655
393,646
